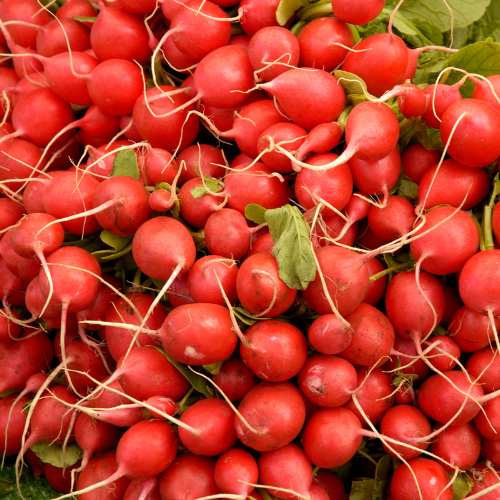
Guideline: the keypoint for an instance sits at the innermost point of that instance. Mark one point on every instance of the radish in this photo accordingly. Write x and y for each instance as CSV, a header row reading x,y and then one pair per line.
x,y
417,159
25,269
11,212
412,101
440,98
487,421
10,329
320,139
146,490
357,14
200,159
258,14
12,422
392,221
485,90
55,36
235,379
324,43
484,367
328,335
233,469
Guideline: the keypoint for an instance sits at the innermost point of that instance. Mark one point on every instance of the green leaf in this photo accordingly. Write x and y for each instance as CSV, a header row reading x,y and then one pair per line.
x,y
255,213
199,383
351,83
212,184
362,489
408,189
125,163
465,12
53,454
290,234
117,243
85,19
287,8
214,368
383,474
462,486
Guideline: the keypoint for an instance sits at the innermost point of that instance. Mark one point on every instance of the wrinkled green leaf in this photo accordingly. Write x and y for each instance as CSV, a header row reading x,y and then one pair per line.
x,y
244,316
465,12
462,486
255,213
199,383
362,489
53,454
383,474
287,8
212,184
290,234
351,83
125,163
117,243
408,189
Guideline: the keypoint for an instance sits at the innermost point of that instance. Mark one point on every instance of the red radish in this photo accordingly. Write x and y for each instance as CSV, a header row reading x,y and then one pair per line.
x,y
213,419
330,230
432,479
51,39
128,128
76,8
413,55
25,269
130,310
392,221
260,289
484,478
478,123
165,405
255,184
380,60
346,281
100,161
263,243
376,289
413,101
324,43
198,334
441,401
201,159
279,424
487,421
484,90
332,187
58,478
275,351
147,489
417,160
272,51
23,358
320,139
440,98
312,109
328,335
484,367
203,285
357,14
451,185
12,422
169,133
11,211
287,468
406,365
9,330
374,393
189,477
177,60
141,7
235,379
145,372
159,166
258,14
372,339
452,305
178,293
12,289
458,445
234,465
331,483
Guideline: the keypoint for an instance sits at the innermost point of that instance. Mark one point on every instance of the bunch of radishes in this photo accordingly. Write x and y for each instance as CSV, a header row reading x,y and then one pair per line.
x,y
185,318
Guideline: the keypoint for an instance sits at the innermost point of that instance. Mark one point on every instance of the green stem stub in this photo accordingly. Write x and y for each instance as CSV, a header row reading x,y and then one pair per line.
x,y
489,242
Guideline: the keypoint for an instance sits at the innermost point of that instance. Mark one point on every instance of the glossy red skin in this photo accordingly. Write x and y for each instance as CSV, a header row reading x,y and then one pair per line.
x,y
452,304
202,280
432,480
198,334
288,467
375,395
100,468
333,185
263,243
147,373
490,450
484,478
404,423
471,330
25,269
343,270
58,478
413,102
484,367
439,400
281,421
148,487
236,464
417,160
275,351
11,287
196,211
376,289
317,43
394,220
290,135
213,418
312,108
443,362
159,166
451,186
100,160
332,484
488,422
165,133
378,176
255,185
227,234
9,330
158,256
331,437
328,335
321,138
178,60
357,13
11,211
16,423
477,126
256,290
273,43
180,287
334,225
478,286
189,477
458,445
235,379
258,14
327,381
94,436
383,66
482,90
51,40
372,339
119,311
403,291
416,367
442,98
131,210
201,159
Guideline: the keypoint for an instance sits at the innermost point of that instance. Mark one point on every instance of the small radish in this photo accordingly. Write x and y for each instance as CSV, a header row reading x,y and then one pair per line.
x,y
357,14
440,98
394,220
417,159
328,335
320,139
258,14
200,159
235,379
233,465
413,101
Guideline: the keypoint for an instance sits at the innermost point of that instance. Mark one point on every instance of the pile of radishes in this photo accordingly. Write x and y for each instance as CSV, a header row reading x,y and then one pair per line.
x,y
243,260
